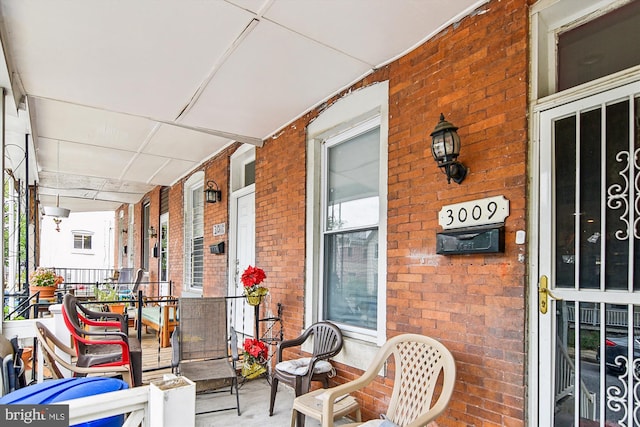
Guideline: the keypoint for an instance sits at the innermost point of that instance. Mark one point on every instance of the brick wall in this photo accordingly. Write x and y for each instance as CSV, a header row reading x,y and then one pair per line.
x,y
476,74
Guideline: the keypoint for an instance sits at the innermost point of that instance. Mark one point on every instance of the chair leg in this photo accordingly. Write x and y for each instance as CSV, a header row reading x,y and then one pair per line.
x,y
274,389
301,387
235,381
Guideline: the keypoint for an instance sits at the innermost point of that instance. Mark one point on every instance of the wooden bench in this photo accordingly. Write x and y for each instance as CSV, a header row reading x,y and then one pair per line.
x,y
162,318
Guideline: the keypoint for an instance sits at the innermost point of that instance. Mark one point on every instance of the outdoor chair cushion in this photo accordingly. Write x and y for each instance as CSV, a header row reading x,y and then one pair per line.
x,y
299,366
154,314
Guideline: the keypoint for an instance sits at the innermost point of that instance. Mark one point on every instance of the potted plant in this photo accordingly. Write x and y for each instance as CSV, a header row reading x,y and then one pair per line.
x,y
109,293
45,281
251,279
254,358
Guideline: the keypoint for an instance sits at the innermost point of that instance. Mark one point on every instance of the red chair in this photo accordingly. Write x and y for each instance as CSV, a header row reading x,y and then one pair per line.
x,y
109,347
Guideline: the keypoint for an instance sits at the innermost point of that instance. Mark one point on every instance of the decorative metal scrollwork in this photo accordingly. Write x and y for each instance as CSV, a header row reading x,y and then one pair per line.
x,y
618,196
617,394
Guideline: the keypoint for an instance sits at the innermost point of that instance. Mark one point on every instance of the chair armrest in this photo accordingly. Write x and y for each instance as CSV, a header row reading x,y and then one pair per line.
x,y
96,316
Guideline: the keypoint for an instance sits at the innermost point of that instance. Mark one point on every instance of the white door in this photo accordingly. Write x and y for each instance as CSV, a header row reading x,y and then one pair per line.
x,y
589,256
245,242
163,254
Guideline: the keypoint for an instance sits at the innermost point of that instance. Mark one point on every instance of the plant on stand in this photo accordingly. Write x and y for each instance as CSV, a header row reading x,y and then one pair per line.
x,y
251,279
254,358
109,293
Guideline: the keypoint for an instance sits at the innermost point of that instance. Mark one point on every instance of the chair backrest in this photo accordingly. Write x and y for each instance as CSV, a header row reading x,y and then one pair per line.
x,y
72,320
203,328
49,342
125,275
418,362
327,339
53,348
137,280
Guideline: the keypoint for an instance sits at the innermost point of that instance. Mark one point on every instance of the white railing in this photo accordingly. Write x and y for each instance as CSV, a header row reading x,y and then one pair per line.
x,y
614,317
169,402
165,402
565,386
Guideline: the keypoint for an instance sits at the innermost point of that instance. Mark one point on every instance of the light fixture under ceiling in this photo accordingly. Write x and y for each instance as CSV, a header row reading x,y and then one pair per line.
x,y
57,211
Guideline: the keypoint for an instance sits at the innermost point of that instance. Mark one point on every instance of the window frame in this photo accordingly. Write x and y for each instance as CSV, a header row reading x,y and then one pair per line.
x,y
84,234
360,107
194,183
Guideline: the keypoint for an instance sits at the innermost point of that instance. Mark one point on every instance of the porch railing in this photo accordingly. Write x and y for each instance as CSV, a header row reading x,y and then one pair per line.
x,y
565,383
590,316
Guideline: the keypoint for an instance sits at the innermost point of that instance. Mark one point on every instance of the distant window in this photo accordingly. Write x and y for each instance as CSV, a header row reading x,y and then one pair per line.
x,y
82,241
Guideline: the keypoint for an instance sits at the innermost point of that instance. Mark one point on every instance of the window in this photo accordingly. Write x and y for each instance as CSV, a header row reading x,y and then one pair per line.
x,y
194,231
346,217
351,214
145,236
82,241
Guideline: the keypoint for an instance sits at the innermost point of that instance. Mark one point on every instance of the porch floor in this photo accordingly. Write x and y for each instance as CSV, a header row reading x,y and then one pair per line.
x,y
254,395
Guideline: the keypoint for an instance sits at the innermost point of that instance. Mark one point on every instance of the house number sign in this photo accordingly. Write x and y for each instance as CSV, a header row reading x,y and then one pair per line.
x,y
492,210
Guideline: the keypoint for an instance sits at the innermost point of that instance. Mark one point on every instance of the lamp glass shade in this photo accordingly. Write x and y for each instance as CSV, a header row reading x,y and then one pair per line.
x,y
212,196
445,145
56,211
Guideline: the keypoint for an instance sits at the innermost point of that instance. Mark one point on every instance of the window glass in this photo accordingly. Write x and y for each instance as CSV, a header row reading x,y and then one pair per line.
x,y
352,212
352,187
197,245
599,47
351,286
81,241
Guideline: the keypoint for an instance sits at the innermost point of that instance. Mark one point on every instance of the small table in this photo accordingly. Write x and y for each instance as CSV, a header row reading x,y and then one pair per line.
x,y
310,405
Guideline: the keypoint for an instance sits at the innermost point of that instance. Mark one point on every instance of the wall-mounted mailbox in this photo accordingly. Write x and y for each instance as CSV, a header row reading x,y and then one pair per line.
x,y
218,248
471,241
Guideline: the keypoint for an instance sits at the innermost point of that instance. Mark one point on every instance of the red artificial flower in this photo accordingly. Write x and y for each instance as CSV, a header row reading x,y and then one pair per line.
x,y
255,348
252,276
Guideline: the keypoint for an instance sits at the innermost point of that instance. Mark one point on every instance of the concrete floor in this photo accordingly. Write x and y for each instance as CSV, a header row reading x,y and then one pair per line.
x,y
254,408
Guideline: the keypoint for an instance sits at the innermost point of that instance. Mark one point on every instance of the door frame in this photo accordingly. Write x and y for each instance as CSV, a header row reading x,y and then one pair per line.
x,y
540,183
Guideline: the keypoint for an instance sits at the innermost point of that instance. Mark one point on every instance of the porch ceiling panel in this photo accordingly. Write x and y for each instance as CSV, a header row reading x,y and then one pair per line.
x,y
138,93
178,143
142,57
91,126
282,75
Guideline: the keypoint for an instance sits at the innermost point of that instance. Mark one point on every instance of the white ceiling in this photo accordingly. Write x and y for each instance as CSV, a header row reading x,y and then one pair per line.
x,y
126,95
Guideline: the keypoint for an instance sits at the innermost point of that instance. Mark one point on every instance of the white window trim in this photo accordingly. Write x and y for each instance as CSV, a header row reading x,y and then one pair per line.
x,y
82,251
346,113
194,182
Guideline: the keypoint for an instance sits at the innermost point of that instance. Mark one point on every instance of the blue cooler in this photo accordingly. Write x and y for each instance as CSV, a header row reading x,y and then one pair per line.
x,y
54,391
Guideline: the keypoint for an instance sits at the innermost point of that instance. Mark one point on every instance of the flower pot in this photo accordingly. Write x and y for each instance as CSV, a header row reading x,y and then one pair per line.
x,y
47,292
254,299
117,308
252,370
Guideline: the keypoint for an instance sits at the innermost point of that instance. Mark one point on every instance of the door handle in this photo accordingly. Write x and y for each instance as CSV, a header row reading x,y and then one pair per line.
x,y
544,293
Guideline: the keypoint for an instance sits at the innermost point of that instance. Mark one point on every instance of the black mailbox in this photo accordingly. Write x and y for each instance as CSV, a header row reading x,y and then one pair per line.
x,y
218,248
471,241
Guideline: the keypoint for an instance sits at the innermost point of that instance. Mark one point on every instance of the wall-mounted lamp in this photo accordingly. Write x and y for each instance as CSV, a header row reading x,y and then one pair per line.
x,y
445,147
152,232
212,195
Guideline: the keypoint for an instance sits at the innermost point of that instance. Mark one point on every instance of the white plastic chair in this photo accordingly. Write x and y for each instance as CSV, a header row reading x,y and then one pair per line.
x,y
419,362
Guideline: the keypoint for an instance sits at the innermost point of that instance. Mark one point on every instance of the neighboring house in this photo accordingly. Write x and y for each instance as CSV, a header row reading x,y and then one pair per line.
x,y
83,240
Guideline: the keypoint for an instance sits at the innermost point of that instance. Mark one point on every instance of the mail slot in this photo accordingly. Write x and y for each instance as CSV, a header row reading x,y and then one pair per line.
x,y
217,249
471,241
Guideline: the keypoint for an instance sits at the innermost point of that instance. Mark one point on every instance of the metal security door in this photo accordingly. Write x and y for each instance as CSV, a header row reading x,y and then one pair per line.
x,y
589,277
